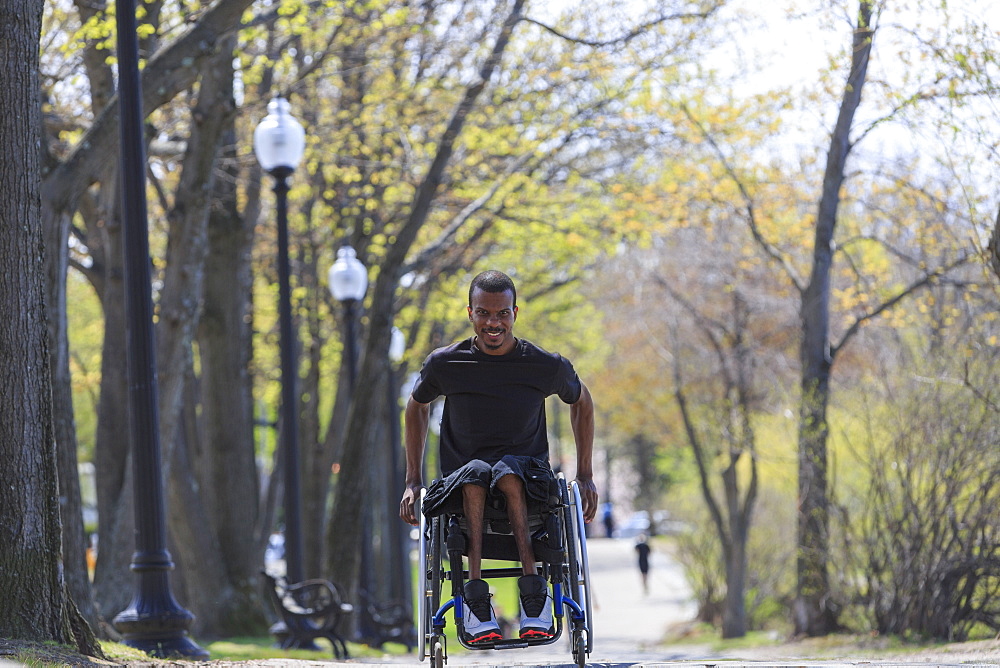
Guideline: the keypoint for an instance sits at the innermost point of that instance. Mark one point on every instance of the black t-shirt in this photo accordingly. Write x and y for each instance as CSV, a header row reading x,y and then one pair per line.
x,y
494,404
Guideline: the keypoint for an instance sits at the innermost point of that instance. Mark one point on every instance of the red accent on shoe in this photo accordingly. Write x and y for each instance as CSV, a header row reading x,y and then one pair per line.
x,y
535,633
492,635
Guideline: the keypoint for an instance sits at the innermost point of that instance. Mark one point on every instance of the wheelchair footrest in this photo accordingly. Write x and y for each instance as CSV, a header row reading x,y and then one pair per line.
x,y
489,573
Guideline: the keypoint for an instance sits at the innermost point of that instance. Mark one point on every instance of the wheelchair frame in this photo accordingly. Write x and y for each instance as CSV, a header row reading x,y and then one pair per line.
x,y
560,544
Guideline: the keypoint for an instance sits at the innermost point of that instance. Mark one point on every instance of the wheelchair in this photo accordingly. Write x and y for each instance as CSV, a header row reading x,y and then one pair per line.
x,y
560,545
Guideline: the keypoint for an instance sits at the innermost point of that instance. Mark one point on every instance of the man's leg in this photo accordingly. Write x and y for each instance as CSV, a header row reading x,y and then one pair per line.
x,y
536,604
480,621
512,488
473,505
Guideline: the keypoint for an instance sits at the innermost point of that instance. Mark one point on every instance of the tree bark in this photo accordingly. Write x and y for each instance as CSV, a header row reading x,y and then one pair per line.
x,y
34,599
196,527
814,611
113,580
75,540
229,468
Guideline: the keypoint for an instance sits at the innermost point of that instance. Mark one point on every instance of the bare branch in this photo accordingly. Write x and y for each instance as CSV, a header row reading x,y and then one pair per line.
x,y
922,282
173,68
696,447
432,180
627,37
473,207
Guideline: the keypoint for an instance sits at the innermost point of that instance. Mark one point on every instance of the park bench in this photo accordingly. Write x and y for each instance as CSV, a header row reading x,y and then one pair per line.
x,y
309,610
392,622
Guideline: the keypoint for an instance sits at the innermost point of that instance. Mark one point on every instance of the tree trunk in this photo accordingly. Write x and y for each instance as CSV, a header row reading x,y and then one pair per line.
x,y
734,610
814,611
732,514
71,505
34,600
113,581
207,587
225,342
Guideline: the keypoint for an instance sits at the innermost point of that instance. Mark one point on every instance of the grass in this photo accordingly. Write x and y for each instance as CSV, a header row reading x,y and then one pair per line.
x,y
254,648
774,644
50,654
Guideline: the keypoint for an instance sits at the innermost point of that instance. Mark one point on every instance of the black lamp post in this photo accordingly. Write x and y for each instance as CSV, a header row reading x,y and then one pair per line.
x,y
348,280
153,622
279,142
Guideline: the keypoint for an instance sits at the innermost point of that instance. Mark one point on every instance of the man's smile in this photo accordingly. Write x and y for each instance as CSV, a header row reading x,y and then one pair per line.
x,y
493,337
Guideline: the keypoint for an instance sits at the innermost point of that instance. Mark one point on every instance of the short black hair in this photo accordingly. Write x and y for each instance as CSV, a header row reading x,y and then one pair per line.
x,y
493,281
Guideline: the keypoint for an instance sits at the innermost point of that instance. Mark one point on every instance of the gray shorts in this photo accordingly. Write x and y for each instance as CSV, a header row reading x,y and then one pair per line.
x,y
445,494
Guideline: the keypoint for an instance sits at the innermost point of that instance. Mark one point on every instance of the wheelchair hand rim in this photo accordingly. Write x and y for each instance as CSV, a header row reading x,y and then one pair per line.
x,y
422,565
581,537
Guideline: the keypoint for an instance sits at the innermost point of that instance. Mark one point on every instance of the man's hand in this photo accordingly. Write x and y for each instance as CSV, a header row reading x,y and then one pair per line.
x,y
408,504
588,490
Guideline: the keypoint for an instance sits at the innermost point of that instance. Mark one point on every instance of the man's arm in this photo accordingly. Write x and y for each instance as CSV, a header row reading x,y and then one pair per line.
x,y
581,416
417,417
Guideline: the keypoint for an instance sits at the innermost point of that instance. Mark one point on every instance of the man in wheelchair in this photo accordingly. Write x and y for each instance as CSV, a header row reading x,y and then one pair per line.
x,y
494,441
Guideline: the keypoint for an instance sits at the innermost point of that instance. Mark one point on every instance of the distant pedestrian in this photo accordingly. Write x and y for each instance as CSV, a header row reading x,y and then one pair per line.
x,y
608,518
642,549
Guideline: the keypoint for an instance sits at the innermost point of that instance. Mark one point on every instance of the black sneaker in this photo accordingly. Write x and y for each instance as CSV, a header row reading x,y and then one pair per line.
x,y
480,622
536,607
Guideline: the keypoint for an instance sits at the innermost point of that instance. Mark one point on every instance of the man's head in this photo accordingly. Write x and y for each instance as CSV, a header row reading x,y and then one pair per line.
x,y
493,281
492,312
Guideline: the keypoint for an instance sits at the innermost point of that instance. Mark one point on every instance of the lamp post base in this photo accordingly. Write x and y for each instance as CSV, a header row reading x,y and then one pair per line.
x,y
161,633
155,623
174,648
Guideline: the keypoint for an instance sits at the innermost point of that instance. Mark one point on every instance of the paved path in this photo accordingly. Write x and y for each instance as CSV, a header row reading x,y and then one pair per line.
x,y
627,625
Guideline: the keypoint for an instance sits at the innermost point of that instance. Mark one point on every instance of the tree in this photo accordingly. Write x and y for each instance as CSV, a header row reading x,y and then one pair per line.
x,y
814,614
815,608
34,598
825,332
346,521
734,410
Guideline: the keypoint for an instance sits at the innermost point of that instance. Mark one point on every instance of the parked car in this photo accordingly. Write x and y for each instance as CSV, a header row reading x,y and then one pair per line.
x,y
639,522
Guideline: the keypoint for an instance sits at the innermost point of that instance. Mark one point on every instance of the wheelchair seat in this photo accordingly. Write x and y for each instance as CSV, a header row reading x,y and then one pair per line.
x,y
498,537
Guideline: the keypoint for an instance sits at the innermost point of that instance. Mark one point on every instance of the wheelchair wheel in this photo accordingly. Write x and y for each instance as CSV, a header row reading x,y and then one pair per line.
x,y
580,649
422,620
435,572
572,559
437,653
579,566
430,579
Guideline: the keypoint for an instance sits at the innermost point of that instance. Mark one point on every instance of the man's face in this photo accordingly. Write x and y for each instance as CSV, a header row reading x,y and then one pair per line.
x,y
492,315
